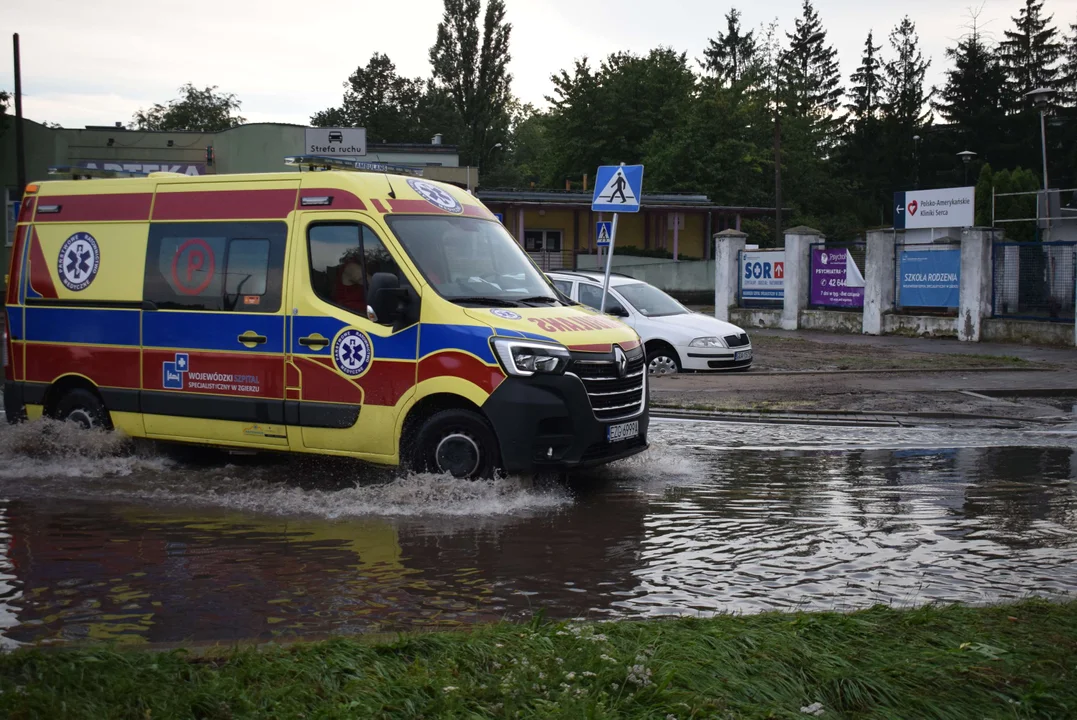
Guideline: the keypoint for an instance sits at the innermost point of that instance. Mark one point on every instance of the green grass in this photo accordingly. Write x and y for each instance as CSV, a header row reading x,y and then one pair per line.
x,y
1015,661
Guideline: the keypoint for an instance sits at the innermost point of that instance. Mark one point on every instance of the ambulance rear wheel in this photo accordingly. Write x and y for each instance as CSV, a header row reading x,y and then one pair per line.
x,y
84,408
457,443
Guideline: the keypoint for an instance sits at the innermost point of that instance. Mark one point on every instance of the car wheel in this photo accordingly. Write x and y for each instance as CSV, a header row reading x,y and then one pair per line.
x,y
457,443
663,360
84,408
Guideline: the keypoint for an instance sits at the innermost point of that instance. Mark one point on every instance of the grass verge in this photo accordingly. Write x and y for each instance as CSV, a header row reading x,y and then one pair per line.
x,y
1015,661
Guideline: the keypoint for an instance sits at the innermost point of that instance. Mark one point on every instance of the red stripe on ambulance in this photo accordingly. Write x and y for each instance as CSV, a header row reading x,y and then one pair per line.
x,y
386,382
104,366
462,365
40,277
97,208
225,205
16,266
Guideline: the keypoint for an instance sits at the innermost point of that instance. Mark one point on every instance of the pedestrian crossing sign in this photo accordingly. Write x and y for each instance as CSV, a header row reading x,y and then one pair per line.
x,y
603,230
618,188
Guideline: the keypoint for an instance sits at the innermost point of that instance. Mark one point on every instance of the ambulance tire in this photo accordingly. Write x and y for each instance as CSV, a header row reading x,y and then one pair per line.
x,y
83,407
458,443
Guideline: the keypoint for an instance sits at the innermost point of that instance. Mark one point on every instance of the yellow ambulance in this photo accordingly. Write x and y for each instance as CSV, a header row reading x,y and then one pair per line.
x,y
370,314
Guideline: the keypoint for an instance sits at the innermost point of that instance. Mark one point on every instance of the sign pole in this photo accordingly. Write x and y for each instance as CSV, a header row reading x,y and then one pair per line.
x,y
609,263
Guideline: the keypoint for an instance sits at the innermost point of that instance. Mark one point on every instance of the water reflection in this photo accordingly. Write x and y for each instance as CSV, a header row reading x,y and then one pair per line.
x,y
141,547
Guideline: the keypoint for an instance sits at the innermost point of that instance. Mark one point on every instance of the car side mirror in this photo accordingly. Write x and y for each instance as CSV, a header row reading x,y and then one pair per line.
x,y
617,311
387,298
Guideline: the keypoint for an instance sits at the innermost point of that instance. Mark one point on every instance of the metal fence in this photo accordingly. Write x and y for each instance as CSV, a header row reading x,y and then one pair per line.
x,y
831,286
926,283
1034,281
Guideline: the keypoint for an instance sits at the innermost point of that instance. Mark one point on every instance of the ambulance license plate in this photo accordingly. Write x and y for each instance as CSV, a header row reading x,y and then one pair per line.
x,y
742,355
624,431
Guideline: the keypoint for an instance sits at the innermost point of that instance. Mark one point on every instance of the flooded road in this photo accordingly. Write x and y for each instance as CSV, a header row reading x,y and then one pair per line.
x,y
102,541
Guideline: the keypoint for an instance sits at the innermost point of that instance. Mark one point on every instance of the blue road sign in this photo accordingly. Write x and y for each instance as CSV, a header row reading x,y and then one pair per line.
x,y
500,217
618,188
603,230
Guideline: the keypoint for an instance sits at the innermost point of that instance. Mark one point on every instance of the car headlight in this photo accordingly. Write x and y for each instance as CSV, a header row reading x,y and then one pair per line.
x,y
524,358
708,342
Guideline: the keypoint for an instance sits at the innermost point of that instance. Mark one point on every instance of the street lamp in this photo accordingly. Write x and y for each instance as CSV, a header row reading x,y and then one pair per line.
x,y
966,157
1041,99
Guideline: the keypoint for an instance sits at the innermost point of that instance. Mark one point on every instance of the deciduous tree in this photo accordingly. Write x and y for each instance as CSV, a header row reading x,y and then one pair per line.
x,y
201,110
472,67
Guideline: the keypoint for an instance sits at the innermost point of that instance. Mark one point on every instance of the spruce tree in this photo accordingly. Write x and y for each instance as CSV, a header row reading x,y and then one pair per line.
x,y
1068,79
905,99
1030,53
809,78
732,52
867,85
973,96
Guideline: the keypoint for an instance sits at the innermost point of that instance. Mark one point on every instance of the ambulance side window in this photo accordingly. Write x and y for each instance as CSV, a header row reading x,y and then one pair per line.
x,y
343,259
225,266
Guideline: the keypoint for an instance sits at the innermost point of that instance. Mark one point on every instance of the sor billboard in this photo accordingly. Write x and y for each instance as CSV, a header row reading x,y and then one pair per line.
x,y
335,142
762,275
944,208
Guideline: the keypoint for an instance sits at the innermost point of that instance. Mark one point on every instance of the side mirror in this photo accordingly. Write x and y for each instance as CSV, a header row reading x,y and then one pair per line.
x,y
387,298
617,311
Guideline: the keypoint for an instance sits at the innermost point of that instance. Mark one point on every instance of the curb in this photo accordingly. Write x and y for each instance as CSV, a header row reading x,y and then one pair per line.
x,y
844,417
776,373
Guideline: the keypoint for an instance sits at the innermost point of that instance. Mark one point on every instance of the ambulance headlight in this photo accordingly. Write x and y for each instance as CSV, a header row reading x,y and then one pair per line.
x,y
707,342
525,358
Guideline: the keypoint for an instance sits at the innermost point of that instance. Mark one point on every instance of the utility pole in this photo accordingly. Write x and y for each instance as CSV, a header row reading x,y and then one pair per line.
x,y
777,175
20,145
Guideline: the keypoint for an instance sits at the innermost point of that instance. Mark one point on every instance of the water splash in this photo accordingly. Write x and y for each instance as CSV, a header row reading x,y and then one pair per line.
x,y
63,460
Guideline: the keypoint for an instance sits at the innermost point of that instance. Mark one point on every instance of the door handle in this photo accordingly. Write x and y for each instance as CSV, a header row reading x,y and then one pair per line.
x,y
250,339
314,341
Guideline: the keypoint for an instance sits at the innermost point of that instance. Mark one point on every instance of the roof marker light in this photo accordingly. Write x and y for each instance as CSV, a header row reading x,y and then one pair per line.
x,y
323,162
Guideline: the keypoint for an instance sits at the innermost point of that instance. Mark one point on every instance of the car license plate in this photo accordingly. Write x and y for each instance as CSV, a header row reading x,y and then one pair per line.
x,y
742,355
624,431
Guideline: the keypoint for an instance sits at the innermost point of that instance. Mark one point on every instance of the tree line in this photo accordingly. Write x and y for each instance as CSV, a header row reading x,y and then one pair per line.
x,y
716,124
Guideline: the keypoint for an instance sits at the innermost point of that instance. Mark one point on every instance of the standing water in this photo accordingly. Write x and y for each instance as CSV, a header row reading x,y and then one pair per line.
x,y
103,539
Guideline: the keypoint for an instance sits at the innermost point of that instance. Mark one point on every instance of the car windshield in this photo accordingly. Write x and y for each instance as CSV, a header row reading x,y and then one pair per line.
x,y
472,261
649,301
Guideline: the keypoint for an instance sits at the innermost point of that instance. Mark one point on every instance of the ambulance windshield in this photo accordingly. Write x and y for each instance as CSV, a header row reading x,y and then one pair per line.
x,y
472,261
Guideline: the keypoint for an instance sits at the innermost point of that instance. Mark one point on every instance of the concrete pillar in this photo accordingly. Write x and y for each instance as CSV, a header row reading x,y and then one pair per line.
x,y
975,281
728,245
798,243
878,279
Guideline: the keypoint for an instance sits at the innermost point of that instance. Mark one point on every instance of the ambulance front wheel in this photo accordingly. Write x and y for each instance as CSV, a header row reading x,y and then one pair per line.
x,y
83,407
458,443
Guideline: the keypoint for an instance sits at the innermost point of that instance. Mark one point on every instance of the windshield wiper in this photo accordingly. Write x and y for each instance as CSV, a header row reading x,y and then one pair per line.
x,y
539,298
479,300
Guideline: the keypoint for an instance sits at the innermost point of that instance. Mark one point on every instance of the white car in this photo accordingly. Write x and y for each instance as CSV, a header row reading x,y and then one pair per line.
x,y
675,337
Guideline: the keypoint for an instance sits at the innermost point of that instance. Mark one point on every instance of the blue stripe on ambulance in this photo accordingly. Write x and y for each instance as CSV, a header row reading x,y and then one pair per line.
x,y
14,322
211,330
474,339
89,326
398,346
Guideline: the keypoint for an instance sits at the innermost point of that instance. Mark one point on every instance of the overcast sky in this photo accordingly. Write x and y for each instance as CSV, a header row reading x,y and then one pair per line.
x,y
94,62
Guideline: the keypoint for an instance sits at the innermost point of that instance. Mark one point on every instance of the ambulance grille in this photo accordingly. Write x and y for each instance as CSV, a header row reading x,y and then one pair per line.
x,y
612,396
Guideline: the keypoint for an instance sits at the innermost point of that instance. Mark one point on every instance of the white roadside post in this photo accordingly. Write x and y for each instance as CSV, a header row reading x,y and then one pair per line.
x,y
618,189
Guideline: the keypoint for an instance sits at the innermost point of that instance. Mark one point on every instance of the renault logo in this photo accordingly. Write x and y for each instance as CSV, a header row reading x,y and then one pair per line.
x,y
621,359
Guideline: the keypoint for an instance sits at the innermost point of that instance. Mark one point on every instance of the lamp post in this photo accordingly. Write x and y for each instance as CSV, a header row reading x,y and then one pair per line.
x,y
1041,99
966,157
916,160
